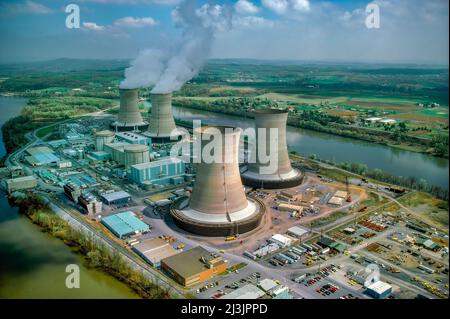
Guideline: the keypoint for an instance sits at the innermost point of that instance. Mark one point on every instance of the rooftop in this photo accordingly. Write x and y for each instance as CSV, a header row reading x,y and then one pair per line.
x,y
155,249
189,262
124,223
248,291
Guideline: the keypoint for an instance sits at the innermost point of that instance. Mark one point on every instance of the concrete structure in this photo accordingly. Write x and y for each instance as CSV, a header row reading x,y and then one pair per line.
x,y
129,117
336,201
135,154
101,138
20,183
249,291
125,224
379,290
218,205
193,266
159,172
116,198
72,191
128,154
90,203
161,122
259,174
153,250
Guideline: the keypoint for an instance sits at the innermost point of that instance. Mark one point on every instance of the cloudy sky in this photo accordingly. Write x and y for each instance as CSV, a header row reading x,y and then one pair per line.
x,y
411,31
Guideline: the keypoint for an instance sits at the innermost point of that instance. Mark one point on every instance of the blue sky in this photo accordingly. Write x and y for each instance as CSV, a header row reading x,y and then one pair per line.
x,y
411,31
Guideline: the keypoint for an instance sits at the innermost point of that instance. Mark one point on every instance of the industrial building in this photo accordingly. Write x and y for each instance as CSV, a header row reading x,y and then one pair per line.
x,y
133,138
257,174
379,290
128,154
72,191
285,207
218,205
153,250
161,172
125,224
276,291
297,231
161,123
249,291
89,203
115,198
101,138
20,183
193,266
281,240
41,155
129,117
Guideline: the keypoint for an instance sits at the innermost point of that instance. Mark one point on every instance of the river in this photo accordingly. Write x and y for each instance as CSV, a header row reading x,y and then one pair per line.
x,y
33,263
341,149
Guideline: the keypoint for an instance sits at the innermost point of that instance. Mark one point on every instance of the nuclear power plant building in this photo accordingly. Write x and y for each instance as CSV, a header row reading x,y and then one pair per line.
x,y
129,117
218,205
271,175
161,122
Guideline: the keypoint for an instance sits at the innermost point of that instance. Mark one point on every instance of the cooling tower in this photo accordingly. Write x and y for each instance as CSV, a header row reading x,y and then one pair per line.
x,y
102,138
161,122
129,117
135,154
265,175
218,205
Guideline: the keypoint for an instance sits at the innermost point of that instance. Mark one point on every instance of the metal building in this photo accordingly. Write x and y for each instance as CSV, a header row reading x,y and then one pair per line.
x,y
258,173
129,117
218,205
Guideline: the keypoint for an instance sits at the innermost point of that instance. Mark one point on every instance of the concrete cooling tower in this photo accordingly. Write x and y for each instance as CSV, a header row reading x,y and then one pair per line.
x,y
161,122
218,205
129,117
283,175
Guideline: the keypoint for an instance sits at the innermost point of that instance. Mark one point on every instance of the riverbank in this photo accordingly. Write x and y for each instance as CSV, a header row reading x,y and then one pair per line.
x,y
391,139
96,255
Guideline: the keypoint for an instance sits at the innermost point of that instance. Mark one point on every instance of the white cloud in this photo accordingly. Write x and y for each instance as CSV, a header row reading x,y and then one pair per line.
x,y
284,6
93,26
253,22
135,22
245,6
300,5
26,7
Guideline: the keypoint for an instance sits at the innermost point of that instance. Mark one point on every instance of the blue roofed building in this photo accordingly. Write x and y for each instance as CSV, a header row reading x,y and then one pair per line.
x,y
125,224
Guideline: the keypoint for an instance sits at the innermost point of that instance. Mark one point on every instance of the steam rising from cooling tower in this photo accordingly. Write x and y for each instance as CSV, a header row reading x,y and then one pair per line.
x,y
129,117
283,175
218,205
168,70
161,123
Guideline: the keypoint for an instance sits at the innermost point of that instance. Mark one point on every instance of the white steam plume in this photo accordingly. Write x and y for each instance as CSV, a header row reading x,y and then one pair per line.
x,y
168,70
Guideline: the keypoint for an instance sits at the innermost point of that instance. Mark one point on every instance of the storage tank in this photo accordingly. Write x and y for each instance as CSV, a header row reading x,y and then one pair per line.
x,y
129,117
161,122
283,175
136,154
102,138
218,205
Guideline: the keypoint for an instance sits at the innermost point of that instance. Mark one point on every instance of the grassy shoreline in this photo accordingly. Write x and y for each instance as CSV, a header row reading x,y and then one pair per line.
x,y
95,254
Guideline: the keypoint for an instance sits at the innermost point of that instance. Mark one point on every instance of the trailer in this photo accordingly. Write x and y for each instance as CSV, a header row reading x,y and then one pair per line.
x,y
249,255
289,259
297,251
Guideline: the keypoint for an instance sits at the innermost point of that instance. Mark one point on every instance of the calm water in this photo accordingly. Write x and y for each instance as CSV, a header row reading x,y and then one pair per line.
x,y
341,149
33,263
